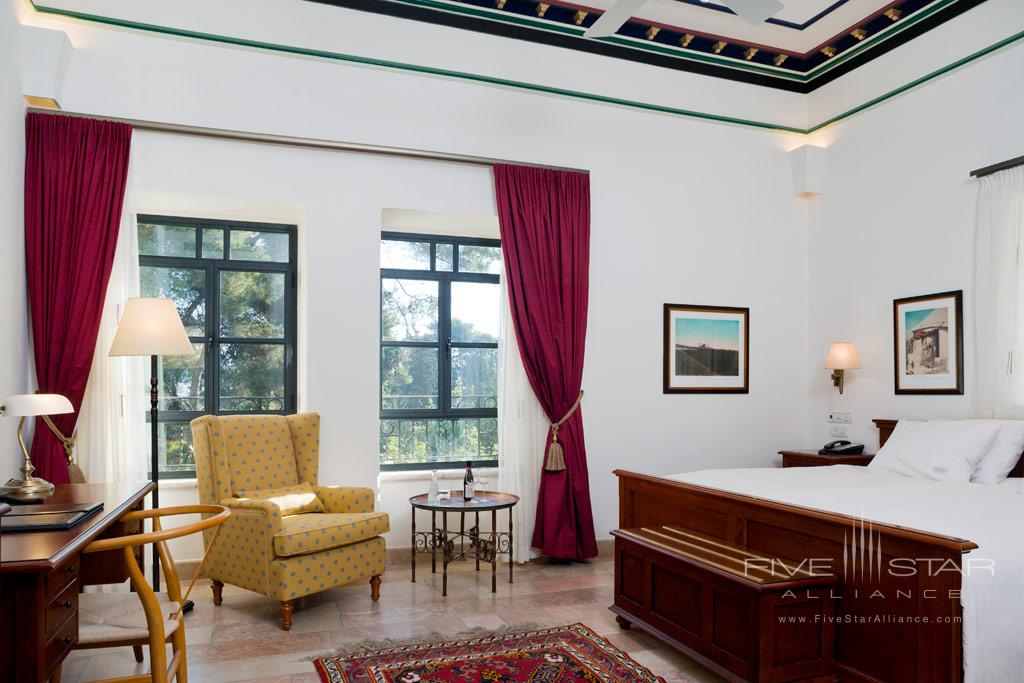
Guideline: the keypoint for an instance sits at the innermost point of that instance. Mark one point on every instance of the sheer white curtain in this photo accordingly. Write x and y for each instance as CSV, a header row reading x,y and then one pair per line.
x,y
999,296
522,432
112,432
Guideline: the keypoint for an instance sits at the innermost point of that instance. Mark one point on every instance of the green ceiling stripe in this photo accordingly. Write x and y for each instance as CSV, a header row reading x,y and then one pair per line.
x,y
520,85
920,81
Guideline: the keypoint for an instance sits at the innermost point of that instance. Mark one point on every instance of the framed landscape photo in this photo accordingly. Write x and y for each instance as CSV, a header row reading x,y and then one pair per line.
x,y
929,343
706,349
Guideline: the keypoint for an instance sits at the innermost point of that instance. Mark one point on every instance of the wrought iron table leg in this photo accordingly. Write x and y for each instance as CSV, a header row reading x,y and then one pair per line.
x,y
414,544
478,540
494,554
511,547
444,554
433,538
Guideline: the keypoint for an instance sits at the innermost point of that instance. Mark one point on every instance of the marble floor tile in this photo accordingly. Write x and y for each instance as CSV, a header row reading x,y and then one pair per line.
x,y
242,641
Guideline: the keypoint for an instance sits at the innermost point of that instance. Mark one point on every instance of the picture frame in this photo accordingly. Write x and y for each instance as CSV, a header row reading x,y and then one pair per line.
x,y
928,344
706,349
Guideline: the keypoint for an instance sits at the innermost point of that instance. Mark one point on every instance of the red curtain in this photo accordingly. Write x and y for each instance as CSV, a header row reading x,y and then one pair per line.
x,y
75,172
544,217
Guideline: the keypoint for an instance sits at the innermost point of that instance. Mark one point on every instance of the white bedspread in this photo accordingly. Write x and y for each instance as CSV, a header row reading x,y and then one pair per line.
x,y
991,516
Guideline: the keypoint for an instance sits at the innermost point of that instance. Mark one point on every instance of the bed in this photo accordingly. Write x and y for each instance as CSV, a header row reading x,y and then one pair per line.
x,y
902,623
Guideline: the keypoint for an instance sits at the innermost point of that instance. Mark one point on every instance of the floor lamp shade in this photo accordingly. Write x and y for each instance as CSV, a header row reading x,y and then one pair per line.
x,y
150,327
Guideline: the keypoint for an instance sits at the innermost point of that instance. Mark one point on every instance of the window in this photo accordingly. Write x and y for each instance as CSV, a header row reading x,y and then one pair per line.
x,y
234,287
440,306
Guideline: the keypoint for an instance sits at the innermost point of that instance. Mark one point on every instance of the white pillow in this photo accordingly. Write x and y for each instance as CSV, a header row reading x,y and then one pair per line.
x,y
1003,454
943,450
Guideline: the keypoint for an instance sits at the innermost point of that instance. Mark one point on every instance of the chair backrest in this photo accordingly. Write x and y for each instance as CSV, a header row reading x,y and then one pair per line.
x,y
236,453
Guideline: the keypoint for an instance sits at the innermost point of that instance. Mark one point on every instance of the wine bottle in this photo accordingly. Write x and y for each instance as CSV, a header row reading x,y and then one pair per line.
x,y
467,482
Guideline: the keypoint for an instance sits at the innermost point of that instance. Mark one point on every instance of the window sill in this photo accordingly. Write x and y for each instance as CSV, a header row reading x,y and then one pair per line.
x,y
489,473
178,484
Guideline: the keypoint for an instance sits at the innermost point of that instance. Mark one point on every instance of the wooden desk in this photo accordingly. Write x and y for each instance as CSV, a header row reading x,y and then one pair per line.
x,y
42,573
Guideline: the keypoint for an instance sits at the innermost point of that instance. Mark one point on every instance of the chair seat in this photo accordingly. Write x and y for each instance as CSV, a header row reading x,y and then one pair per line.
x,y
313,532
118,617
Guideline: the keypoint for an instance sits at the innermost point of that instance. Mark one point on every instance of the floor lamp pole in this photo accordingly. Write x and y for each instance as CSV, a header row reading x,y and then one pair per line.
x,y
154,402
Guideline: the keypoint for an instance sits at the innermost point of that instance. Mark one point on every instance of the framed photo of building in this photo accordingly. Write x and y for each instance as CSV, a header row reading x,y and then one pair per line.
x,y
929,344
706,350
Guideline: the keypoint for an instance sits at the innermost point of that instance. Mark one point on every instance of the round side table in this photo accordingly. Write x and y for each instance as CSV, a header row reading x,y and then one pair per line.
x,y
472,543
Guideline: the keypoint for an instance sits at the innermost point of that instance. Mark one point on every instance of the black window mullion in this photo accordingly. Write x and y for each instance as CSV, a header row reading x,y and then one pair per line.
x,y
212,330
444,363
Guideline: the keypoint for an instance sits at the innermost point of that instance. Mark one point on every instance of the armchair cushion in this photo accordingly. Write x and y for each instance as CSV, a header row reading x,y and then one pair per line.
x,y
292,500
303,534
346,498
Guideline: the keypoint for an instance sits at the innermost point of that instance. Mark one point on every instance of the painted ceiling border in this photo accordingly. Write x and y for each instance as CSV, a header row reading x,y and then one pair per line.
x,y
522,85
787,79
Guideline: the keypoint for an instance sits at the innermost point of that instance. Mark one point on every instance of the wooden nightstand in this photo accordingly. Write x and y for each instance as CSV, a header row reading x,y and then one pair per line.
x,y
812,459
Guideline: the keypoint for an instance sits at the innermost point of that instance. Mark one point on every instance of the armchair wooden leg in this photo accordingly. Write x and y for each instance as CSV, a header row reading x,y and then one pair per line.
x,y
286,614
137,649
218,587
375,587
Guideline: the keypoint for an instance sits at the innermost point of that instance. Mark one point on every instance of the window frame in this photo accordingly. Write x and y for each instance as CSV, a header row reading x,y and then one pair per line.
x,y
444,343
212,339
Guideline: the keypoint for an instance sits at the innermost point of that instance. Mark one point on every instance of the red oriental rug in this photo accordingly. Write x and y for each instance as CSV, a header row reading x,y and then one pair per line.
x,y
566,654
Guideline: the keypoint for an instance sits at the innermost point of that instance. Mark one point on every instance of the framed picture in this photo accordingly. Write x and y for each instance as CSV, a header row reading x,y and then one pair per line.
x,y
929,343
706,349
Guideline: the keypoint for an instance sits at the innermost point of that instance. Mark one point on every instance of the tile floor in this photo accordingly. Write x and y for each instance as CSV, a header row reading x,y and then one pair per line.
x,y
241,641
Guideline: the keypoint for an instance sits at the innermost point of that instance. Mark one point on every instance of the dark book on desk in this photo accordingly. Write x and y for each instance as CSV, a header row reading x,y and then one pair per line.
x,y
56,517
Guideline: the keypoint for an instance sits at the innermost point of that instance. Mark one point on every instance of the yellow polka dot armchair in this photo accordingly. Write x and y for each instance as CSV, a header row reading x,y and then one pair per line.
x,y
287,536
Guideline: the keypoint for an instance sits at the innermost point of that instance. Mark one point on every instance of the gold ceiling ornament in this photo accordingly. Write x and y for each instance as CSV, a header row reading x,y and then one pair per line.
x,y
829,51
859,33
542,8
651,32
719,46
779,59
686,40
578,17
893,13
749,54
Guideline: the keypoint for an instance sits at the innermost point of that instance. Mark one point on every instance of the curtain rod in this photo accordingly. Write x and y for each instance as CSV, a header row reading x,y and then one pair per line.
x,y
293,141
995,168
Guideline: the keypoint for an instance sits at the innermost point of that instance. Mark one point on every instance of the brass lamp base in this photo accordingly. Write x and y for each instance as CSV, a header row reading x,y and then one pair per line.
x,y
29,488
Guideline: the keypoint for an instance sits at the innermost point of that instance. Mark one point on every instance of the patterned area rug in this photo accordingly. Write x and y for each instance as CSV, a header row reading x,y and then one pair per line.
x,y
567,654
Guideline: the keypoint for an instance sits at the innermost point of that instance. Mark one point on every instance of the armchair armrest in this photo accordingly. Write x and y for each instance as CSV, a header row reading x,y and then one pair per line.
x,y
268,508
346,498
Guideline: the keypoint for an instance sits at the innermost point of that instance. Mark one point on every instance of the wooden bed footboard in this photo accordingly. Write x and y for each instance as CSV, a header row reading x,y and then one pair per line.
x,y
898,606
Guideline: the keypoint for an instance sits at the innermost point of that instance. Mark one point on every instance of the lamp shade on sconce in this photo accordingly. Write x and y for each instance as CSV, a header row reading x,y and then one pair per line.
x,y
842,356
150,327
30,405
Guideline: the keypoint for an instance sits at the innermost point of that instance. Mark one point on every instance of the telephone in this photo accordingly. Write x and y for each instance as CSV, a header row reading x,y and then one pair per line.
x,y
841,447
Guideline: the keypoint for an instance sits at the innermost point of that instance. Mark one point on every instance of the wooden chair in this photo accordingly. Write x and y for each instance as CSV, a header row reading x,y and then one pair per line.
x,y
114,619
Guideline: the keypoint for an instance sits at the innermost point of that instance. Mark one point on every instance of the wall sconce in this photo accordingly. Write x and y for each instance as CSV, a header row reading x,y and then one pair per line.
x,y
841,357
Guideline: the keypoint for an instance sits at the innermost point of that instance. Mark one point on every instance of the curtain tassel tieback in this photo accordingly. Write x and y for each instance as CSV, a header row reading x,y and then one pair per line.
x,y
75,475
556,457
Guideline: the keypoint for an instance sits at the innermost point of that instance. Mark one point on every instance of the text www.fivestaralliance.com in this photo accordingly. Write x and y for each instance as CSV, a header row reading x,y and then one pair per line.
x,y
870,619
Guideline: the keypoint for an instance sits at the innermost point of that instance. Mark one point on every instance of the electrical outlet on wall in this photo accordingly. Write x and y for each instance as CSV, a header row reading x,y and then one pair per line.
x,y
840,417
838,431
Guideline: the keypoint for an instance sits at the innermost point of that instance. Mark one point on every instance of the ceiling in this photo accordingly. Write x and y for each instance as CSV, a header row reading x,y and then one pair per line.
x,y
805,45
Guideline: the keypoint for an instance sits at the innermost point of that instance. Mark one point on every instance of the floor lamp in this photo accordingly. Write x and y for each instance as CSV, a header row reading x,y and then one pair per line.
x,y
152,327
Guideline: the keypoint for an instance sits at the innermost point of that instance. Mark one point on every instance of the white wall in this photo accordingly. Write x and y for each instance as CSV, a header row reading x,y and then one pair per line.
x,y
896,219
13,307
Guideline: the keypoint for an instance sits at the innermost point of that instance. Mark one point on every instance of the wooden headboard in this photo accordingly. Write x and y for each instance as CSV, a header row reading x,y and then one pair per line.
x,y
885,428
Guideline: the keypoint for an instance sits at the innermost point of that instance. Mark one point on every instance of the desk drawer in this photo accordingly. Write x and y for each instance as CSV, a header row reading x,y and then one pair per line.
x,y
60,577
60,643
61,607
